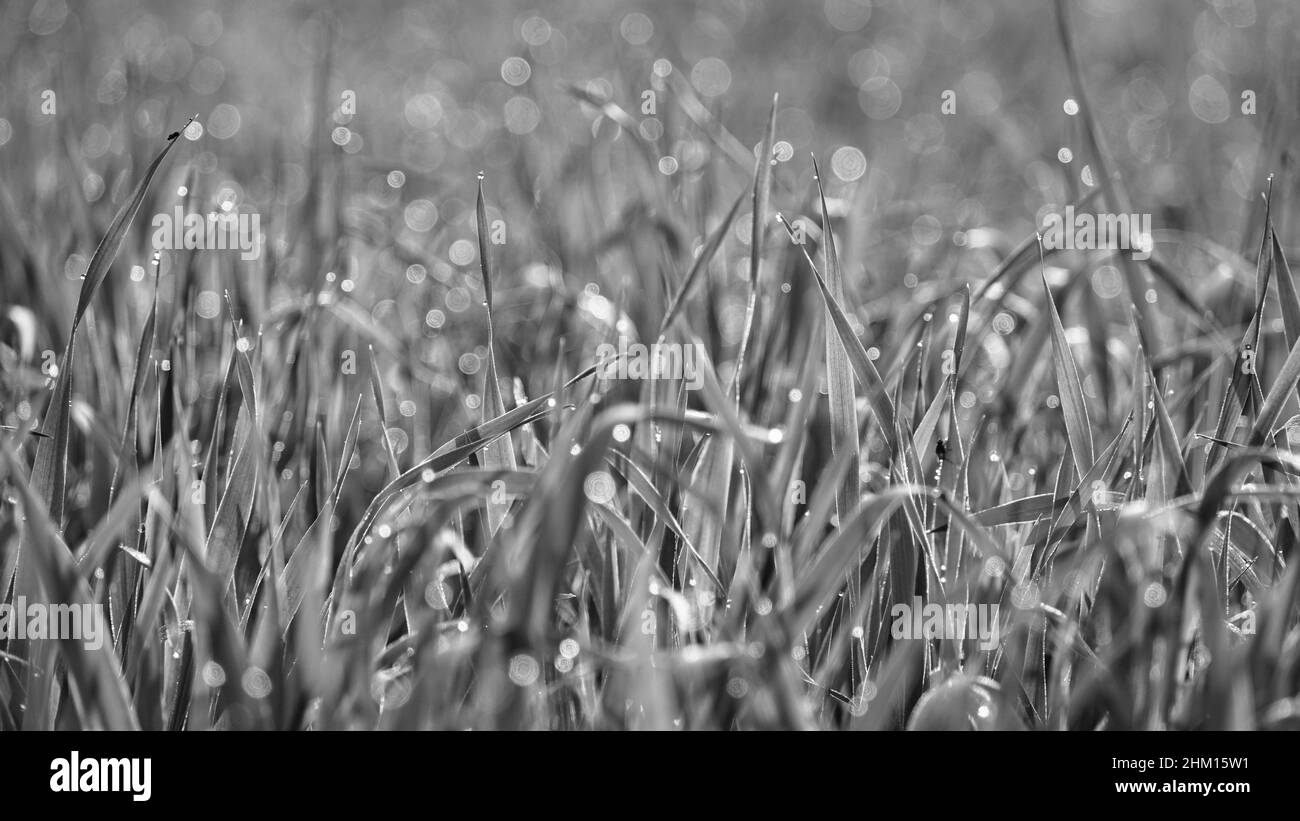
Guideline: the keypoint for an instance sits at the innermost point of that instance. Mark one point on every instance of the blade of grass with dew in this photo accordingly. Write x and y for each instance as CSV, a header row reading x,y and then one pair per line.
x,y
952,460
840,394
1290,303
377,390
1024,509
710,478
1171,456
211,482
877,395
1242,378
1112,187
1289,298
1070,390
1283,385
701,263
758,230
500,453
49,472
130,459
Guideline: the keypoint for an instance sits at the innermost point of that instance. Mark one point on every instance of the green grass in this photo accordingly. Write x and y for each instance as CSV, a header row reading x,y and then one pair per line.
x,y
373,479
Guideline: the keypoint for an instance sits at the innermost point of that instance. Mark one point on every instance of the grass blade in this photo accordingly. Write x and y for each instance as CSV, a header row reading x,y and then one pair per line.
x,y
1070,390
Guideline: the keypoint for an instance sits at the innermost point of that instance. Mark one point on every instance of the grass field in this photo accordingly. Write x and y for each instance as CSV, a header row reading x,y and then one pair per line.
x,y
388,453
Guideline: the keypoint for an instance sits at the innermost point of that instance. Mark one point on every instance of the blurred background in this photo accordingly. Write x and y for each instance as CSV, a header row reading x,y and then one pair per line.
x,y
445,89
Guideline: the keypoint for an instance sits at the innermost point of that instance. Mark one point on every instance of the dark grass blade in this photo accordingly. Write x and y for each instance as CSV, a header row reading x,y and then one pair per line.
x,y
108,247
